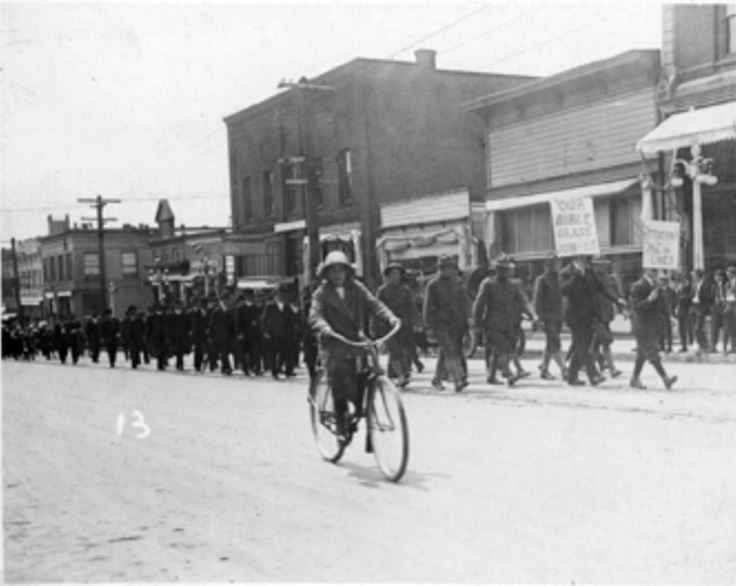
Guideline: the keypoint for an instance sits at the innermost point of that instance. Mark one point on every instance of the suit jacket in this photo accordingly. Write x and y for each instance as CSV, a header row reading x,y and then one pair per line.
x,y
581,291
347,316
274,321
446,306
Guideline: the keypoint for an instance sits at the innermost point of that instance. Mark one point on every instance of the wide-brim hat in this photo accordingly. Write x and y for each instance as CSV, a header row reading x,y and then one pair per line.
x,y
504,261
394,266
335,258
602,261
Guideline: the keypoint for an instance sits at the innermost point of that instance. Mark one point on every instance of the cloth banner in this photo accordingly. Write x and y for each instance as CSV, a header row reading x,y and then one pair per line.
x,y
573,222
661,245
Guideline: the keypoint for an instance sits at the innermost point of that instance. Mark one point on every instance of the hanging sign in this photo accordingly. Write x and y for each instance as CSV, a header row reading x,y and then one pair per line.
x,y
573,222
661,245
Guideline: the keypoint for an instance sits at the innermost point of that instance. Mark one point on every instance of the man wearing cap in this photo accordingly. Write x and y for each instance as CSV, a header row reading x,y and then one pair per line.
x,y
548,306
605,311
398,298
644,305
342,304
496,311
580,285
445,316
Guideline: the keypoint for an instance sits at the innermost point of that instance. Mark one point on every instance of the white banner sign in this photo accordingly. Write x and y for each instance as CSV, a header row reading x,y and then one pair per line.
x,y
661,245
573,222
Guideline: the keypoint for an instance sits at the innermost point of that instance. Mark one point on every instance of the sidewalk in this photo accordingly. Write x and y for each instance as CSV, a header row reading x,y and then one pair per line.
x,y
623,346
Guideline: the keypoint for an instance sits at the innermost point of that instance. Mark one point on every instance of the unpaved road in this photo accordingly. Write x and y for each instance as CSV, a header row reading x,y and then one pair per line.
x,y
543,484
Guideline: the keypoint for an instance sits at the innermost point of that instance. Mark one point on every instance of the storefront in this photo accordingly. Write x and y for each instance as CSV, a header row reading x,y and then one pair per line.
x,y
417,232
700,149
522,227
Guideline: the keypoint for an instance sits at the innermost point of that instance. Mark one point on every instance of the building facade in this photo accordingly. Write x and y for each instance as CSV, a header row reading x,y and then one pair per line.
x,y
367,133
697,106
71,269
572,134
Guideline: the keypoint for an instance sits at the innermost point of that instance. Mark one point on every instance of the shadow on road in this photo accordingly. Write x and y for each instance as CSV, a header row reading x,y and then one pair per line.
x,y
371,477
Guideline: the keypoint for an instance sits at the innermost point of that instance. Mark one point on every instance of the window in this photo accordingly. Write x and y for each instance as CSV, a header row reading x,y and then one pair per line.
x,y
268,193
292,191
527,230
52,268
129,262
69,274
91,264
345,177
60,268
730,29
46,275
247,197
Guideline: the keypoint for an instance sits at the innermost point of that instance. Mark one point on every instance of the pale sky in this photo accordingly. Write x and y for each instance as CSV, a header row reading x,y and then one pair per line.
x,y
126,100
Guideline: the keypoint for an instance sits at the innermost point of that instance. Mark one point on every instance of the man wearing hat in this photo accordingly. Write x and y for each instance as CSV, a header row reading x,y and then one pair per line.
x,y
580,285
274,325
222,333
398,298
342,304
604,314
110,330
548,306
445,315
496,313
644,305
134,334
730,315
178,332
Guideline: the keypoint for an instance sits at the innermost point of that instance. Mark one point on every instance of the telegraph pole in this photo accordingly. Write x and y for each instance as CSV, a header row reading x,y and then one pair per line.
x,y
99,203
311,218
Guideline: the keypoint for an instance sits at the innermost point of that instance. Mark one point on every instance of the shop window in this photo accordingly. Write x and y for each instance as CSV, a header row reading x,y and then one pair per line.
x,y
345,177
91,264
267,193
247,197
129,263
527,230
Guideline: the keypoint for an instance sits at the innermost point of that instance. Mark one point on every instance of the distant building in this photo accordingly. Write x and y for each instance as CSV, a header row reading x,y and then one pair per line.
x,y
699,73
71,269
373,132
573,134
187,261
10,297
30,273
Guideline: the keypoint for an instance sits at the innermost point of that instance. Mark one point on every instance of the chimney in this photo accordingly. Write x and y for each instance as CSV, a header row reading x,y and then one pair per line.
x,y
426,59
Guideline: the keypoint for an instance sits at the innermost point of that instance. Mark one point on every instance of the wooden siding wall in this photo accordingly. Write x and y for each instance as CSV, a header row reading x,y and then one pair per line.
x,y
576,140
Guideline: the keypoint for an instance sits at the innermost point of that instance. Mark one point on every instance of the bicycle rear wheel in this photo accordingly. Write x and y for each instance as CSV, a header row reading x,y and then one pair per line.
x,y
388,429
323,418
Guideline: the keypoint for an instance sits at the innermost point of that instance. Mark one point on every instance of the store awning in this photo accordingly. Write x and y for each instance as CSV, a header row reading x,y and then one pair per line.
x,y
261,283
703,126
595,190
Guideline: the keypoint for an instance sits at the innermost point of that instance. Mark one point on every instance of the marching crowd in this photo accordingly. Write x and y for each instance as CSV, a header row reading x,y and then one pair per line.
x,y
257,335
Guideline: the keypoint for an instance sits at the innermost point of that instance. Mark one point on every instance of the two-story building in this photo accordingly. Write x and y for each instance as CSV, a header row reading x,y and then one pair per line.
x,y
697,106
371,132
71,269
572,134
30,273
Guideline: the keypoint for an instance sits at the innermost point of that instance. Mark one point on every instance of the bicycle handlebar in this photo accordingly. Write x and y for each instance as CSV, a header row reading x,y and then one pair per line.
x,y
365,343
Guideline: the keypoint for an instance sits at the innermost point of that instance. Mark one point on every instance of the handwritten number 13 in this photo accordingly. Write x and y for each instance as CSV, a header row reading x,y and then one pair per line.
x,y
137,423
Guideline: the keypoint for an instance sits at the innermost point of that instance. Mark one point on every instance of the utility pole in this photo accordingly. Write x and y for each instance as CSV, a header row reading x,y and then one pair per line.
x,y
99,203
311,218
16,279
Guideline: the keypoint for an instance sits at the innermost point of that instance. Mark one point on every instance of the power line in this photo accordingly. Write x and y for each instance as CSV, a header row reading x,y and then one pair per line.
x,y
438,31
156,198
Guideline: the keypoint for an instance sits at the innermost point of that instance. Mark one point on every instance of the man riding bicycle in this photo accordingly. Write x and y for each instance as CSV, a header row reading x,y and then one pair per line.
x,y
342,305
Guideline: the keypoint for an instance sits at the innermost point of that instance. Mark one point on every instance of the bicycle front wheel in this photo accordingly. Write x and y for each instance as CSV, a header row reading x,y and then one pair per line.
x,y
388,429
323,418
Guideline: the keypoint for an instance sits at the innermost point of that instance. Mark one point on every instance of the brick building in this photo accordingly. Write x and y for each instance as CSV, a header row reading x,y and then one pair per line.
x,y
697,105
373,132
71,268
570,134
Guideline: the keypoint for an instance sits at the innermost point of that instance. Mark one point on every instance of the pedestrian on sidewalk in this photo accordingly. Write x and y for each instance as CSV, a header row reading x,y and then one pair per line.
x,y
666,304
548,306
644,305
684,292
701,303
719,310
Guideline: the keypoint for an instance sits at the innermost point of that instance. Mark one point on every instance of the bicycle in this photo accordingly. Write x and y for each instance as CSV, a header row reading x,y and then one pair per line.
x,y
387,429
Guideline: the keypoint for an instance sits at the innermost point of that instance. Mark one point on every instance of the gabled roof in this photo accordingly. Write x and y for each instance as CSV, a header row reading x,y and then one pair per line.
x,y
163,212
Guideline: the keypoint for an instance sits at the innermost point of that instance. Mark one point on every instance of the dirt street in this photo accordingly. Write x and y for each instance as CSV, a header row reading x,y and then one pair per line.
x,y
140,476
